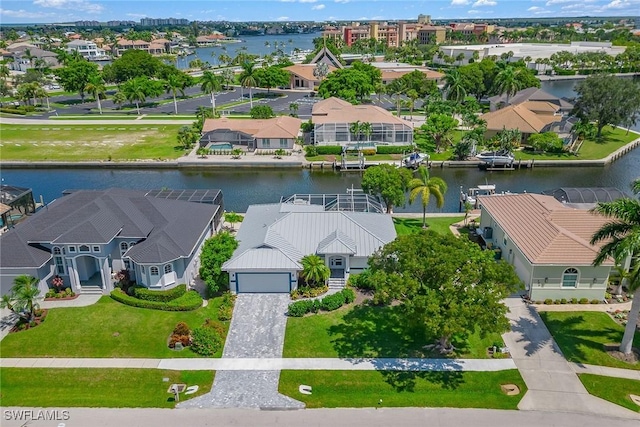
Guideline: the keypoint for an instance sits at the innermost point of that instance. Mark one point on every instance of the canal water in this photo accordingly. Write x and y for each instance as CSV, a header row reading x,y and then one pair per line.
x,y
242,187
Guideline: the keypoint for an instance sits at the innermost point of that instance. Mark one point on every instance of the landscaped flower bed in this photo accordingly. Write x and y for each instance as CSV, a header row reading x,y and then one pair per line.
x,y
65,294
23,324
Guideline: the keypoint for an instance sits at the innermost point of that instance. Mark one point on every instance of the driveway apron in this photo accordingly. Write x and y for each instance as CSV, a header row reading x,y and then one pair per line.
x,y
257,331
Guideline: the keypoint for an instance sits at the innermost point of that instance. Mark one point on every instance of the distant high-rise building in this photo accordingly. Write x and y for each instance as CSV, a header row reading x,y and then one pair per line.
x,y
424,19
152,22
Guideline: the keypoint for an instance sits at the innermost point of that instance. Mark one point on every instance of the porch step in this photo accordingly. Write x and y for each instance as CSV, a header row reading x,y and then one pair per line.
x,y
336,283
91,290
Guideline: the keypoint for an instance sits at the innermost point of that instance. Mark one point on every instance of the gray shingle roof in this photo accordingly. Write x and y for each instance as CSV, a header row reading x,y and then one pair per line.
x,y
300,233
167,229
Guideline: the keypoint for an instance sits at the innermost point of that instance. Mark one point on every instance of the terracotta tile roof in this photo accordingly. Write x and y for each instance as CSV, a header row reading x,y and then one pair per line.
x,y
306,71
277,127
335,110
518,117
541,107
392,74
546,231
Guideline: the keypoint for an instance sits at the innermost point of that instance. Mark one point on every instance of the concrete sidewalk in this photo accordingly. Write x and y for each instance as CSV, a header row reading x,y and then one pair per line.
x,y
268,364
605,371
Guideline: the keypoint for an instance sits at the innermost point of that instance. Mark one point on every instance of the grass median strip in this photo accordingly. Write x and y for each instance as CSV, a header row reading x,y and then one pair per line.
x,y
87,143
362,389
616,390
89,387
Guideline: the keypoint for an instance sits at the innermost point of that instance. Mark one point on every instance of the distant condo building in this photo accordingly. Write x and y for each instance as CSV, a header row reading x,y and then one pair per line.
x,y
395,34
103,24
151,22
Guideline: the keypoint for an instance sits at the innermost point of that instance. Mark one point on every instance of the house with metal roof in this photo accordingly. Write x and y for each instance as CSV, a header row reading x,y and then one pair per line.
x,y
548,244
87,235
274,238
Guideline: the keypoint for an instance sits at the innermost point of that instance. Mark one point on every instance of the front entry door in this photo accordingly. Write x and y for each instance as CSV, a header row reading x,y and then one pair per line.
x,y
336,265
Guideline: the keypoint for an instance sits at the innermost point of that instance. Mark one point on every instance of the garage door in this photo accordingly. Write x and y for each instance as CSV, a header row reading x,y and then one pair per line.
x,y
262,282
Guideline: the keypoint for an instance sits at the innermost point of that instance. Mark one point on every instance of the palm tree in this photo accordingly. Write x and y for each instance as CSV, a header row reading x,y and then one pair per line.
x,y
174,84
507,81
424,187
248,79
355,129
134,91
454,85
95,86
211,83
320,71
25,293
622,235
119,98
367,129
314,270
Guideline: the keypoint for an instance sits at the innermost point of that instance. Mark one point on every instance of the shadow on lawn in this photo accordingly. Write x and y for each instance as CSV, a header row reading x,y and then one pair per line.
x,y
382,332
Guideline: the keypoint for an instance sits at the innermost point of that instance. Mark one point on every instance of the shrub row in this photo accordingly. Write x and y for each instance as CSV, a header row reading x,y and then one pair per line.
x,y
360,281
189,301
160,296
328,303
12,111
550,301
328,150
393,149
308,292
226,306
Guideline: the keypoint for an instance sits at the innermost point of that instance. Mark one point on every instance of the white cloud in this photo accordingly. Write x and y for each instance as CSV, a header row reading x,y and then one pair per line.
x,y
459,2
621,4
282,18
318,7
341,1
77,5
23,13
307,1
534,9
481,3
473,12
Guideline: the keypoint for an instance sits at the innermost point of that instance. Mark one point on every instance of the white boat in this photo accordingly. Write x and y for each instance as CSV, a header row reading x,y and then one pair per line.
x,y
471,196
496,158
414,160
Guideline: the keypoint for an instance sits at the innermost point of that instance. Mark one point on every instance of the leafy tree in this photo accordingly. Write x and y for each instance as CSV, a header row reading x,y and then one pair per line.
x,y
271,77
293,107
23,298
215,252
232,218
211,83
119,98
622,237
137,90
95,86
175,83
248,79
446,286
508,139
187,136
261,112
606,100
314,270
350,84
320,71
424,187
75,76
417,81
548,142
133,63
388,182
228,77
440,128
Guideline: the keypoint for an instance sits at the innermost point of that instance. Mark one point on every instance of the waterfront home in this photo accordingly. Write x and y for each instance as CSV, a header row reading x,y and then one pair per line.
x,y
332,119
22,56
530,94
88,49
529,118
343,229
547,242
88,235
255,134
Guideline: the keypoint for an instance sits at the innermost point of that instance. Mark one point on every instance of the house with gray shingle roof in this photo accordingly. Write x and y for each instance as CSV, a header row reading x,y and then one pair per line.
x,y
274,238
548,244
87,235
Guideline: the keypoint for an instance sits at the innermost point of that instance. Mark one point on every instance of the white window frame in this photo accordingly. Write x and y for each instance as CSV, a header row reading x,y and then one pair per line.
x,y
168,268
72,250
96,248
154,269
567,281
84,251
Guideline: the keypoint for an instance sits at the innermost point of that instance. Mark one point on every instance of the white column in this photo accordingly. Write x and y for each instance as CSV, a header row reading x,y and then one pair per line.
x,y
73,276
106,276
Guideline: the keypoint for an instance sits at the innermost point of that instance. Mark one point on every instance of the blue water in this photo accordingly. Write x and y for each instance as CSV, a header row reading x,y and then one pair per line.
x,y
221,146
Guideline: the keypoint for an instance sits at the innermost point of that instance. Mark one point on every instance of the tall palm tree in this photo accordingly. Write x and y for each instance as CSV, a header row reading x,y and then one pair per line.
x,y
211,83
314,270
454,85
355,129
134,90
25,292
248,79
507,81
622,237
367,129
424,187
95,86
174,84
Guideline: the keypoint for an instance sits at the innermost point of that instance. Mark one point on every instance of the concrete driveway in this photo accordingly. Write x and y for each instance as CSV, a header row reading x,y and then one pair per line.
x,y
257,331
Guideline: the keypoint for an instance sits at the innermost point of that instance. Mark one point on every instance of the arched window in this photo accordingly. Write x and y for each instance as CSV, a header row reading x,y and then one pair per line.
x,y
570,278
57,251
84,248
167,269
153,271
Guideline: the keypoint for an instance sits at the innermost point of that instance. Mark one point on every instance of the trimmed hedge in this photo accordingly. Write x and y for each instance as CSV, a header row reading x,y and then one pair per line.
x,y
189,301
324,150
12,111
160,296
226,306
328,303
394,149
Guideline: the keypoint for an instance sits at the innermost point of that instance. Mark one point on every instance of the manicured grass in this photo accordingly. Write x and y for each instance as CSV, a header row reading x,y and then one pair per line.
x,y
369,331
107,388
361,389
130,117
106,329
89,142
581,336
354,158
616,390
413,225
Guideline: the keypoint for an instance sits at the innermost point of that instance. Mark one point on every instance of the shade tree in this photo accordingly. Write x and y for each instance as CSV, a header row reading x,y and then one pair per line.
x,y
387,182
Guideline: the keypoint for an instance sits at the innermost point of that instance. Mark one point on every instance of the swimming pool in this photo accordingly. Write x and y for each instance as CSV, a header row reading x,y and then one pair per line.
x,y
222,146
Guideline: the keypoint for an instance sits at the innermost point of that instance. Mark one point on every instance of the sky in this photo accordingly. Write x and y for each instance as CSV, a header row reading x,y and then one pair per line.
x,y
48,11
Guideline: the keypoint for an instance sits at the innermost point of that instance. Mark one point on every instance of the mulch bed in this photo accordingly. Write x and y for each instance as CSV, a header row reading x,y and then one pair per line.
x,y
22,325
62,299
632,358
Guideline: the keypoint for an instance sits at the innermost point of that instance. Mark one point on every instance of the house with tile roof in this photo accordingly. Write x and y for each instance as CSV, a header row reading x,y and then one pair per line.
x,y
529,117
87,235
547,242
274,238
332,119
529,94
255,134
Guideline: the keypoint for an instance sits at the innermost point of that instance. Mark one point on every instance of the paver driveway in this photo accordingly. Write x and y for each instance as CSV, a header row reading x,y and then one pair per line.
x,y
257,331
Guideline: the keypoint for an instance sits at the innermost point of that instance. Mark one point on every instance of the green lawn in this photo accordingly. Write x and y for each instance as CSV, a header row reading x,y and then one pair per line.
x,y
612,139
361,389
413,225
581,336
106,329
368,331
354,158
89,142
616,390
108,388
